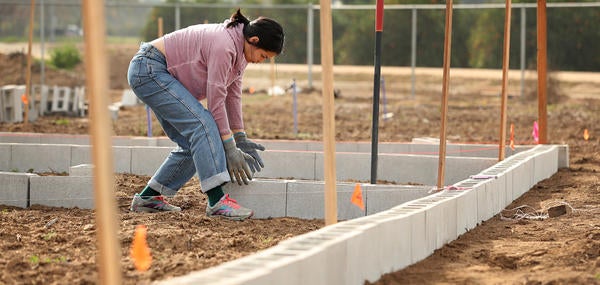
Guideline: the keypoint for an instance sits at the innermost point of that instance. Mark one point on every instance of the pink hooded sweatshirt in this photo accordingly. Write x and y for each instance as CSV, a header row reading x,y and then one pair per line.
x,y
209,61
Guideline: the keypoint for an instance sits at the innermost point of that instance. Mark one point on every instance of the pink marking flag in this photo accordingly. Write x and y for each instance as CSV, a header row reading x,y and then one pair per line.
x,y
536,132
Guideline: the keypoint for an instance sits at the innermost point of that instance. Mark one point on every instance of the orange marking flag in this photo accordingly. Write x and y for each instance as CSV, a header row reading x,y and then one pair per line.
x,y
140,252
512,136
586,134
24,99
357,198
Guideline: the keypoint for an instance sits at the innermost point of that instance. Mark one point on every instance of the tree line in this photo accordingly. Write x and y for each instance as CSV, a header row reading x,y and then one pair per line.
x,y
477,34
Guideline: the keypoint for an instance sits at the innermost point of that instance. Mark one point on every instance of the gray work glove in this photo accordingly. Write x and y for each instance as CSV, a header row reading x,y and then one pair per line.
x,y
250,147
236,162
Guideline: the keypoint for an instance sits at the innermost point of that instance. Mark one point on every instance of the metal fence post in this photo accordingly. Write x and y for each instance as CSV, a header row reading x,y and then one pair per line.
x,y
309,41
413,52
523,35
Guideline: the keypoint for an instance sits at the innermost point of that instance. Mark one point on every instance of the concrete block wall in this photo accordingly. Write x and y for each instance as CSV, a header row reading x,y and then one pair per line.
x,y
380,242
15,189
369,246
308,165
304,199
415,148
62,191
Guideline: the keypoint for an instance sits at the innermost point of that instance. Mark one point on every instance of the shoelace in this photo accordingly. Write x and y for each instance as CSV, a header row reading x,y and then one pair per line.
x,y
230,202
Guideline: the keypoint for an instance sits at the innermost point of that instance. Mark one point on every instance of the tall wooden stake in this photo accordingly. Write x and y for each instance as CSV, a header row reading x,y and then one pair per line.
x,y
505,67
109,256
376,90
328,113
28,71
160,27
445,84
542,69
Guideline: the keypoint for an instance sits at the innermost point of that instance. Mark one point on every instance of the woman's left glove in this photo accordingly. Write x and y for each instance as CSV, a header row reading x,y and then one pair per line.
x,y
250,147
236,162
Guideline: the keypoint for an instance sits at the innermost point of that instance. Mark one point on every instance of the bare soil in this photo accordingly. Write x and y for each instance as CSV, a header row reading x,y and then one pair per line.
x,y
43,245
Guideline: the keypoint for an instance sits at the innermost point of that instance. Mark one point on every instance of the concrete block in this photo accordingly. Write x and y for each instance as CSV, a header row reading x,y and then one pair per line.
x,y
508,187
6,137
418,230
394,242
61,99
383,197
146,160
307,200
11,105
122,157
15,189
62,191
440,218
445,228
349,166
346,147
66,139
363,259
466,211
5,157
520,180
266,197
81,170
283,145
407,169
460,168
128,98
124,141
563,156
397,148
41,158
40,93
545,162
164,141
144,141
501,192
278,165
484,202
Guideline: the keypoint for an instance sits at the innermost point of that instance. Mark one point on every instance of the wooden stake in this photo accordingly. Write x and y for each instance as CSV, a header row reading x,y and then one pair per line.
x,y
160,27
328,113
542,67
109,256
445,84
28,71
505,67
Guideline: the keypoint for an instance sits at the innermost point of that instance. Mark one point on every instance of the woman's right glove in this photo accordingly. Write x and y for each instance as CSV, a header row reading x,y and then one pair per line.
x,y
236,162
250,147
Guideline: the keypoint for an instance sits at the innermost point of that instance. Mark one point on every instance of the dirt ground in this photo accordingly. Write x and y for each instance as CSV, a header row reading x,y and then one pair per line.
x,y
44,245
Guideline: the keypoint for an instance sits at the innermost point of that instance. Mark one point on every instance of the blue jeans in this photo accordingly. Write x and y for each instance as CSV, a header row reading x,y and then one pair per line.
x,y
184,120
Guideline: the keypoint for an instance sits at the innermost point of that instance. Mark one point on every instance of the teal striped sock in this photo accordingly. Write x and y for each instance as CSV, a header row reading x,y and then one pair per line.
x,y
214,195
149,192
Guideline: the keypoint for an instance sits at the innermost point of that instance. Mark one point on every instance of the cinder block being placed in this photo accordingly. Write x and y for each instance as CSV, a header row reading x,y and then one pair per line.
x,y
62,191
15,189
267,198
